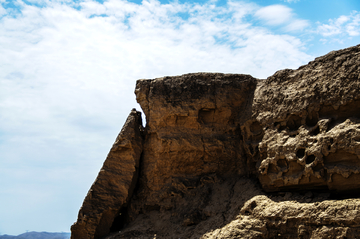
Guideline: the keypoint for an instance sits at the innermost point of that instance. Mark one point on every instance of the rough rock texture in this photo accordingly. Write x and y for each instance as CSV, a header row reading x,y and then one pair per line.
x,y
192,129
263,217
231,156
114,185
307,125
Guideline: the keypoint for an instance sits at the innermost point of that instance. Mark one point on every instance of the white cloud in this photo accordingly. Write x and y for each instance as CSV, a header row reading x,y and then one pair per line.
x,y
274,14
297,25
344,25
280,15
2,9
353,28
67,75
291,1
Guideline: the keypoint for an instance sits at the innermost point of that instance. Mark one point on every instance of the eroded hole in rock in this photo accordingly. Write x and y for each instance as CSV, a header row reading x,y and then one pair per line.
x,y
310,158
300,153
206,116
119,221
312,119
253,205
281,128
315,131
262,170
247,213
294,122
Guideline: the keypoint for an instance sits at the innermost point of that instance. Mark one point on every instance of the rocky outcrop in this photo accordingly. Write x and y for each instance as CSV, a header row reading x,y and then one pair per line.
x,y
114,185
264,217
192,129
231,156
308,123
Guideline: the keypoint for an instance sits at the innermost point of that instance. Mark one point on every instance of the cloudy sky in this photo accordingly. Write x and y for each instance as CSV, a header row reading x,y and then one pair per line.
x,y
68,70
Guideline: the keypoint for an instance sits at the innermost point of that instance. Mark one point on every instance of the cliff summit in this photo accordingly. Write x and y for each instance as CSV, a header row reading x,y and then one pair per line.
x,y
231,156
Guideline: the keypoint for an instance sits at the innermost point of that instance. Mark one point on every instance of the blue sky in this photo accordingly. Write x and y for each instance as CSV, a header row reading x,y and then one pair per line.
x,y
68,72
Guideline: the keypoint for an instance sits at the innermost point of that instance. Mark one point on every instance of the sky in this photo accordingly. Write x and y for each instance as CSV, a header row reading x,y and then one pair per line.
x,y
68,70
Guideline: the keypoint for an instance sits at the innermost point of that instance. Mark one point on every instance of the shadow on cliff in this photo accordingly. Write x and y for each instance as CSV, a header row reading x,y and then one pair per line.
x,y
208,204
211,138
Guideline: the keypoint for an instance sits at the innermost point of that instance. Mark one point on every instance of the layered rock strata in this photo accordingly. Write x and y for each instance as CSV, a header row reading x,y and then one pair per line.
x,y
219,151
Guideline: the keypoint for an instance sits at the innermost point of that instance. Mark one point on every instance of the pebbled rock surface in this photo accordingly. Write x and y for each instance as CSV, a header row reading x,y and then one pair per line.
x,y
114,185
231,156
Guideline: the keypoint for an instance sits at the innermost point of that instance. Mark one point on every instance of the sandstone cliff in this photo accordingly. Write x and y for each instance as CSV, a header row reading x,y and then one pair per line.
x,y
231,156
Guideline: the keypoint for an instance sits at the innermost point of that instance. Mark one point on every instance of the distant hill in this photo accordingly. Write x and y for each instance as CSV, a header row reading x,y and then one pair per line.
x,y
38,235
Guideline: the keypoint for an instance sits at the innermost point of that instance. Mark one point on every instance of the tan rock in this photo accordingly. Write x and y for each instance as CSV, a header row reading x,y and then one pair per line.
x,y
262,217
307,125
193,128
114,185
230,156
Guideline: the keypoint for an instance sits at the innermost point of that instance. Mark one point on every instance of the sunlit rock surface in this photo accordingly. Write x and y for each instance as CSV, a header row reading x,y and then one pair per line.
x,y
114,185
231,156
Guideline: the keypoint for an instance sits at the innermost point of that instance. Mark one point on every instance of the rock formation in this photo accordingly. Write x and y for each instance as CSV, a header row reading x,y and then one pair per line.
x,y
231,156
115,183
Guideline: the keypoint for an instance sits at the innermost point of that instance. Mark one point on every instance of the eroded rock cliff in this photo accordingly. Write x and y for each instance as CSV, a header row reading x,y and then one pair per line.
x,y
192,129
231,156
114,185
308,121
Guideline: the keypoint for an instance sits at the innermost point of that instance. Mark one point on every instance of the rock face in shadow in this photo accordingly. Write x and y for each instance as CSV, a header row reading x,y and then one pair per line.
x,y
114,185
231,156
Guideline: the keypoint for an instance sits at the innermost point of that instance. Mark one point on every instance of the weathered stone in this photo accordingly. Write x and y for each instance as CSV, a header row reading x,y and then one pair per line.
x,y
114,185
262,217
193,128
307,125
230,156
237,208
